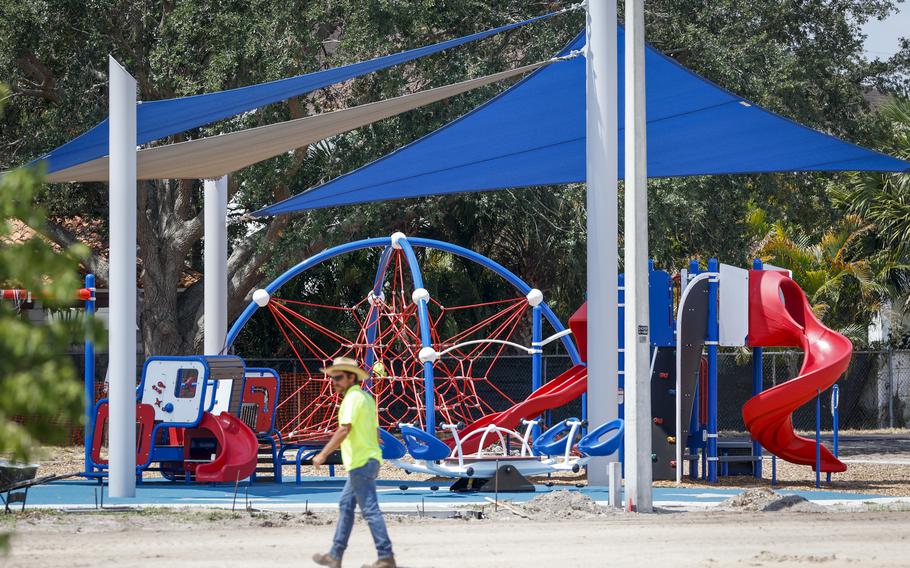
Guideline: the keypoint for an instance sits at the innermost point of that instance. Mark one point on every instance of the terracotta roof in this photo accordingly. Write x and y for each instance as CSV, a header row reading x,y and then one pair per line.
x,y
90,233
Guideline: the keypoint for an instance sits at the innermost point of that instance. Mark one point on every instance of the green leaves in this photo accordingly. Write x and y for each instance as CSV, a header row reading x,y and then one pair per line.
x,y
37,378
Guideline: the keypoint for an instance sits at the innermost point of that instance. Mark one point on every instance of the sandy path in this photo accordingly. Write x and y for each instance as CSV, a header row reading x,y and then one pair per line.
x,y
686,539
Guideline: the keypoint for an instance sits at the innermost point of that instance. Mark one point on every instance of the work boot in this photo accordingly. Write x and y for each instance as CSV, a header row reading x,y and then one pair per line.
x,y
328,560
387,562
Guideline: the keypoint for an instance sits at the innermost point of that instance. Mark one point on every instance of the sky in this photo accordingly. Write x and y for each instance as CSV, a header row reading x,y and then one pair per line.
x,y
883,36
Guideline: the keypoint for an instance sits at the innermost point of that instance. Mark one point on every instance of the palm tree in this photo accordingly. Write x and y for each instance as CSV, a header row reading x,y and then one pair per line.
x,y
883,200
838,282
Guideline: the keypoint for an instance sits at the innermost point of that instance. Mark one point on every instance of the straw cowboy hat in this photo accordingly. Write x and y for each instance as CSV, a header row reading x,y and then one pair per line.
x,y
346,365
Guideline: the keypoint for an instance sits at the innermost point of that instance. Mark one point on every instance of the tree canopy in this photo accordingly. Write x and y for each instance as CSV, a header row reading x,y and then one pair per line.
x,y
803,59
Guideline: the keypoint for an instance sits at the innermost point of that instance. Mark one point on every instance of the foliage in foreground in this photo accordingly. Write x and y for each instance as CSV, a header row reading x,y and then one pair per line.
x,y
38,381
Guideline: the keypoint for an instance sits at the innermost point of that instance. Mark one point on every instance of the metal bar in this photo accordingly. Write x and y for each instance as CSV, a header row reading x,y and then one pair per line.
x,y
426,339
602,172
621,359
835,421
818,438
215,273
122,281
890,386
713,333
89,373
536,358
635,226
757,387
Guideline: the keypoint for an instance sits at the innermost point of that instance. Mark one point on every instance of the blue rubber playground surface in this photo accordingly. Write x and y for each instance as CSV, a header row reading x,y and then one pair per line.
x,y
323,493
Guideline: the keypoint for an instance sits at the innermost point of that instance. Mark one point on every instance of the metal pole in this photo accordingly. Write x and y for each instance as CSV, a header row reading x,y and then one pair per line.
x,y
757,387
637,355
835,421
695,424
537,357
890,386
711,344
601,150
122,281
621,363
89,373
818,438
215,197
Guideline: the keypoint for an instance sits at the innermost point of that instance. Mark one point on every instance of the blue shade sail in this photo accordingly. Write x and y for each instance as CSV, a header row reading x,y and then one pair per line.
x,y
157,119
534,134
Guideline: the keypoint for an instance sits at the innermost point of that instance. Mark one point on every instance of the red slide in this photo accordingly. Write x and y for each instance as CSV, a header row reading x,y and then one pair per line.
x,y
237,451
562,390
780,316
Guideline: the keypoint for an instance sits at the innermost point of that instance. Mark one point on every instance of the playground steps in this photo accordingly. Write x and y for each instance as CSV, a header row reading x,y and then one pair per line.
x,y
266,469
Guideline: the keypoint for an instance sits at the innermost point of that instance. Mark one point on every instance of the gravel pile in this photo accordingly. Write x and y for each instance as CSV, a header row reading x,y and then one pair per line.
x,y
562,504
765,500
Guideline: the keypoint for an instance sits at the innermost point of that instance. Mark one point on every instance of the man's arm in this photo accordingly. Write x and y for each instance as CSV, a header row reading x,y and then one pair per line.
x,y
333,444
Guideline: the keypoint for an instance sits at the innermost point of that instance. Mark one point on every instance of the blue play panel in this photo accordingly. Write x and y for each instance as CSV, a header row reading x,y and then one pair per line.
x,y
319,492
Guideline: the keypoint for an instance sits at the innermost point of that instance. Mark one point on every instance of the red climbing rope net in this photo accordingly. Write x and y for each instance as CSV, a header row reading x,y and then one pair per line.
x,y
384,336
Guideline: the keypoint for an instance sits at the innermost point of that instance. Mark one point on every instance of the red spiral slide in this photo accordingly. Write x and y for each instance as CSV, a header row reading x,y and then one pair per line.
x,y
237,445
780,316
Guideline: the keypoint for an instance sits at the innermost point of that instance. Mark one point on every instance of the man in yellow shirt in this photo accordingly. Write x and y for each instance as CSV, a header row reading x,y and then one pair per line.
x,y
358,438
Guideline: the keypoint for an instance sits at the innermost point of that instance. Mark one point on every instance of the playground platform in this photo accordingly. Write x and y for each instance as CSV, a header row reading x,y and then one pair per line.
x,y
317,494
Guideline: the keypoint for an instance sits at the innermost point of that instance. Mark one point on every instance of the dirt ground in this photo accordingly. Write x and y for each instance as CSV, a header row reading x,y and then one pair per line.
x,y
877,463
704,539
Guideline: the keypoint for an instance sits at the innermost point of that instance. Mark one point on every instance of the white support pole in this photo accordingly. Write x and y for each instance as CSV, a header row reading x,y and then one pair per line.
x,y
122,281
215,197
635,229
602,172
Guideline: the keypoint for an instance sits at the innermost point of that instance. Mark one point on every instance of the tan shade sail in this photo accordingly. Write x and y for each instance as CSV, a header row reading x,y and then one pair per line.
x,y
213,157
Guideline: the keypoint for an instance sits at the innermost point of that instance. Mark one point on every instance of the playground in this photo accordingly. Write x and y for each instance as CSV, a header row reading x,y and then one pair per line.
x,y
705,411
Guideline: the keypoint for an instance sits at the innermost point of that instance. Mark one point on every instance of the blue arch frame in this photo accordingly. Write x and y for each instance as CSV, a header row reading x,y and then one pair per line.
x,y
407,245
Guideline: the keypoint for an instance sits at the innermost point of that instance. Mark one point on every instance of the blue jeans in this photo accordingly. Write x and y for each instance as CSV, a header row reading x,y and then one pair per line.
x,y
360,489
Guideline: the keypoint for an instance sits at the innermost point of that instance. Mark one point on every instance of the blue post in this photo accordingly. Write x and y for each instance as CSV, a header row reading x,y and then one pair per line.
x,y
757,387
818,438
423,314
621,359
711,343
373,316
696,425
537,357
773,470
89,373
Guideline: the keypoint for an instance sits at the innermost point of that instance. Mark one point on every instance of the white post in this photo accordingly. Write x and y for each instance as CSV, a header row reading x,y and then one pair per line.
x,y
635,229
122,281
215,197
602,172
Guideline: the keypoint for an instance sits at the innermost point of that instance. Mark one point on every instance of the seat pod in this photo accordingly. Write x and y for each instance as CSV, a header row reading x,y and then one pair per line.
x,y
422,445
392,449
591,445
549,443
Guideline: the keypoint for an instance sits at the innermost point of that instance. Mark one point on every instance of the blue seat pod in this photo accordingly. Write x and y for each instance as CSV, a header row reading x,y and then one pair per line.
x,y
423,446
550,444
591,445
392,449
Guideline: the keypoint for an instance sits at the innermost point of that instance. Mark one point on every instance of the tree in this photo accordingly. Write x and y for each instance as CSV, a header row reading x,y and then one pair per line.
x,y
803,59
883,202
37,379
185,48
838,281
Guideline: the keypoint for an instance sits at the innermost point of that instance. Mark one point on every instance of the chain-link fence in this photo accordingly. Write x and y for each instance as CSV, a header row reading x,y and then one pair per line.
x,y
874,394
863,391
